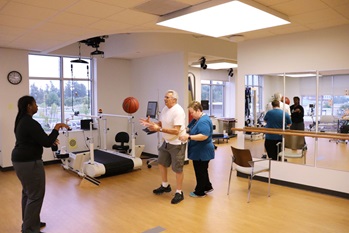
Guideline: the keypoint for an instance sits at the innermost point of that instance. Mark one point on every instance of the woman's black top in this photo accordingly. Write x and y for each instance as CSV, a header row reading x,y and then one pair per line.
x,y
30,140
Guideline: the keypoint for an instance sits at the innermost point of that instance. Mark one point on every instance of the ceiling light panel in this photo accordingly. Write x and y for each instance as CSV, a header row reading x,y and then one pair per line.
x,y
226,18
217,65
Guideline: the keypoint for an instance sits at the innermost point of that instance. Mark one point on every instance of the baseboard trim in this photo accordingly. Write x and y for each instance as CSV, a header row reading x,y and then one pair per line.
x,y
298,186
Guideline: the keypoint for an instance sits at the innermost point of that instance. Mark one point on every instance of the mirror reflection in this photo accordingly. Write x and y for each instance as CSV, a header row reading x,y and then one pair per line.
x,y
324,98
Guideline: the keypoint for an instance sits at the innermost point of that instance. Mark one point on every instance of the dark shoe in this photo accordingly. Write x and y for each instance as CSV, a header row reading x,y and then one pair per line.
x,y
42,224
264,156
162,190
177,198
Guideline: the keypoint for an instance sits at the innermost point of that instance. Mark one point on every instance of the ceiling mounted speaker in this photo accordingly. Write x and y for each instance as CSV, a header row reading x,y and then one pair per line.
x,y
231,72
203,63
94,43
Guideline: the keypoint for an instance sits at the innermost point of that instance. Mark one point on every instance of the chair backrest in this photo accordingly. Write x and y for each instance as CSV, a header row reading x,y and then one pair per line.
x,y
294,142
241,156
122,137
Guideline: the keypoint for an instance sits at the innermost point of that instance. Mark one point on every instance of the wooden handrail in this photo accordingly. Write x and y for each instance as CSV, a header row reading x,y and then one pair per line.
x,y
339,136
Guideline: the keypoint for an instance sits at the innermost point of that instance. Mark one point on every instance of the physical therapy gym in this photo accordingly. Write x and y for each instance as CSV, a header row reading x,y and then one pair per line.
x,y
102,67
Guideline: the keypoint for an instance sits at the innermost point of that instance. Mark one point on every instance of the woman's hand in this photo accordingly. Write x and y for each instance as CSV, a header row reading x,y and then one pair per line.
x,y
184,138
56,143
59,126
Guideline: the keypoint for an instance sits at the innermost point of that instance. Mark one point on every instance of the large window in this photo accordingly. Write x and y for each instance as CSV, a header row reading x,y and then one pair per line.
x,y
213,91
61,89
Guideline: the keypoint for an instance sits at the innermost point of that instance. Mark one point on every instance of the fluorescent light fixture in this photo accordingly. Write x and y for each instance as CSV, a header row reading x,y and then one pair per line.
x,y
299,75
217,65
218,18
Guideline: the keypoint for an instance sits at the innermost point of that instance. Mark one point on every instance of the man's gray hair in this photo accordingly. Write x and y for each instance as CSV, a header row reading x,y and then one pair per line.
x,y
277,96
174,94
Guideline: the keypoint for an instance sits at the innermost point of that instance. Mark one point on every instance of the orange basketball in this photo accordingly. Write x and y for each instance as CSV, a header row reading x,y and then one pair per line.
x,y
130,105
287,100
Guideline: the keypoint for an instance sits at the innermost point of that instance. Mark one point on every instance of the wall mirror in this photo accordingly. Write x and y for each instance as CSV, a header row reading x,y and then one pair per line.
x,y
324,96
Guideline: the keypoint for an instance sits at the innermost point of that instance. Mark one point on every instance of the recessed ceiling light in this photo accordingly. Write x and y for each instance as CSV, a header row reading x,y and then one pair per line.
x,y
217,65
218,18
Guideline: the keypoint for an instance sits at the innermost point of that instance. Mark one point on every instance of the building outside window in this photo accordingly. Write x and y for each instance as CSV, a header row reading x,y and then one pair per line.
x,y
213,91
61,89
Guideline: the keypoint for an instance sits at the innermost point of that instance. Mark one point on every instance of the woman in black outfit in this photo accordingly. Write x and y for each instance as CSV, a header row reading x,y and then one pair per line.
x,y
27,161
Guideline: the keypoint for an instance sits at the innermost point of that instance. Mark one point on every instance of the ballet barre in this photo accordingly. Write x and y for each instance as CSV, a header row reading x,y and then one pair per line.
x,y
339,136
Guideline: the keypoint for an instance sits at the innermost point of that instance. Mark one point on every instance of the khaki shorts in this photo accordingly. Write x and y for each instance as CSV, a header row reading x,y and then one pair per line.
x,y
172,155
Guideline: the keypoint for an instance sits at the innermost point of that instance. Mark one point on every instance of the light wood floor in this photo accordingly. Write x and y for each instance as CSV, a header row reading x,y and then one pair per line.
x,y
126,204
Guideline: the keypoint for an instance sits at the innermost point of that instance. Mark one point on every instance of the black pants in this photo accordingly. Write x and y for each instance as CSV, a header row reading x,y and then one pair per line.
x,y
297,126
32,176
202,179
272,148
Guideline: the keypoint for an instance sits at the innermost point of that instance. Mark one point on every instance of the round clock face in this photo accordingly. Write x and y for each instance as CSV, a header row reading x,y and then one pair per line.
x,y
14,77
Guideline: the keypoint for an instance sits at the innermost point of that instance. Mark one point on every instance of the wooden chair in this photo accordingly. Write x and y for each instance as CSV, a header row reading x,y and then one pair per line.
x,y
245,164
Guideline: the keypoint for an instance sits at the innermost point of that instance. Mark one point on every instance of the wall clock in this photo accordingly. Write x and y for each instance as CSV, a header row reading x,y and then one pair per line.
x,y
14,77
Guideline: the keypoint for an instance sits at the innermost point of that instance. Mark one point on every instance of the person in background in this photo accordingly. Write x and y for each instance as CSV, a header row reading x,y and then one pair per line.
x,y
27,161
200,148
172,151
297,115
277,96
274,119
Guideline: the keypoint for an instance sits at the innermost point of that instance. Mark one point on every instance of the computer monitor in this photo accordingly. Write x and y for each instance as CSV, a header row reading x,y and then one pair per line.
x,y
85,124
204,104
152,109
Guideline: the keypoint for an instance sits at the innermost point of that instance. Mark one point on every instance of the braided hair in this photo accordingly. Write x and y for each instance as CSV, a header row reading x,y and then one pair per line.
x,y
22,104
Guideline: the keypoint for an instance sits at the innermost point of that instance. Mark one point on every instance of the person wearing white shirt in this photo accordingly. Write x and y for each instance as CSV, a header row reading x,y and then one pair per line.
x,y
172,151
278,96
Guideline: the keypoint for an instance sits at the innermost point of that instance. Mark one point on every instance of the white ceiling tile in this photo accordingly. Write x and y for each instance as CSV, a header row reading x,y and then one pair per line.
x,y
132,17
94,9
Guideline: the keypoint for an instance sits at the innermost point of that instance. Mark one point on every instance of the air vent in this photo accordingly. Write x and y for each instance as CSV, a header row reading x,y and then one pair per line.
x,y
161,7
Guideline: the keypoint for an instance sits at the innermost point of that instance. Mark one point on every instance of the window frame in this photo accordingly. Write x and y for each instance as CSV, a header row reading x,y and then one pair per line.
x,y
63,80
211,84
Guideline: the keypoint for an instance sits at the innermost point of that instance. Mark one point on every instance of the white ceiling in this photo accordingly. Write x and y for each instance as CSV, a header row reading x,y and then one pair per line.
x,y
47,25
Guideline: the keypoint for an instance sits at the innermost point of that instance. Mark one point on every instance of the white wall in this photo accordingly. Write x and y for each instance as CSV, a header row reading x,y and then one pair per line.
x,y
113,86
320,50
151,78
10,59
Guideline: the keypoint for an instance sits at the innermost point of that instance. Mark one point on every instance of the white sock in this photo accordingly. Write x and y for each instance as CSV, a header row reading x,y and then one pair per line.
x,y
164,184
179,191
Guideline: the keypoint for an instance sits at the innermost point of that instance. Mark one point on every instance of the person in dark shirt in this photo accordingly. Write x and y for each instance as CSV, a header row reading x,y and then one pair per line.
x,y
27,161
297,115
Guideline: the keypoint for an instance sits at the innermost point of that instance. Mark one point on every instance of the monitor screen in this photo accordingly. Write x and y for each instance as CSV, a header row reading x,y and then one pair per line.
x,y
204,104
152,109
85,124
